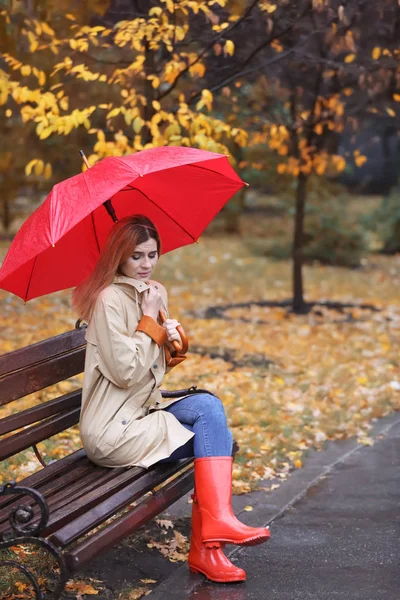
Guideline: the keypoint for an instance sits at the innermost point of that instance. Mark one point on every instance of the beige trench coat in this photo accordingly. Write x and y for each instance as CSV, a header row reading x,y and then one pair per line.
x,y
122,422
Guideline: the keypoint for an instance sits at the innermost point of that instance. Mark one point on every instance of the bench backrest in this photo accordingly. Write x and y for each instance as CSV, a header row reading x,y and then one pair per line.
x,y
30,369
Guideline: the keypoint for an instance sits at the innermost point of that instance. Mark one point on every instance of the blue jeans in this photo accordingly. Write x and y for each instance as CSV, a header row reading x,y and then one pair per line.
x,y
203,414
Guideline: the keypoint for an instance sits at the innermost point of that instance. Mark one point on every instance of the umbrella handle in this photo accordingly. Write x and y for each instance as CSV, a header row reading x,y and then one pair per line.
x,y
185,342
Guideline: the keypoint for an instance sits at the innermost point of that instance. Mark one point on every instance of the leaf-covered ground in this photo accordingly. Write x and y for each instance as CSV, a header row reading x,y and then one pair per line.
x,y
288,382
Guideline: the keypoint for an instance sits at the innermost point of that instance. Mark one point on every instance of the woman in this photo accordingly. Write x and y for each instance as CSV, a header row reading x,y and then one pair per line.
x,y
124,420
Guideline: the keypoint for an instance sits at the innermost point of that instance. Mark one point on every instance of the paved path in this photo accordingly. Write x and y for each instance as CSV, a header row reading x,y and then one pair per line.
x,y
335,529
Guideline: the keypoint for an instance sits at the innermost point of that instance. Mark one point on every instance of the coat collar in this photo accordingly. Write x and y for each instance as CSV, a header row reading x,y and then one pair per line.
x,y
140,286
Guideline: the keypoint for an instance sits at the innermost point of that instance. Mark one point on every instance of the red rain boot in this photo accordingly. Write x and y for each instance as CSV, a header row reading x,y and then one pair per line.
x,y
213,482
211,561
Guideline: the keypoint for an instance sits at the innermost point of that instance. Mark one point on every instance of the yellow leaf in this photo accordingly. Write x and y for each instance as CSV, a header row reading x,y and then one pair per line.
x,y
81,587
156,105
349,58
39,167
26,70
390,112
197,69
156,10
340,163
248,508
21,586
229,47
396,97
155,83
28,168
281,168
128,118
138,124
319,129
360,160
64,103
44,134
365,441
298,464
376,53
47,171
148,580
113,113
277,46
362,380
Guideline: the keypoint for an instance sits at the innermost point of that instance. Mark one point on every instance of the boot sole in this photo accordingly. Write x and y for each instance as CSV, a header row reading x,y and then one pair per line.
x,y
217,580
250,542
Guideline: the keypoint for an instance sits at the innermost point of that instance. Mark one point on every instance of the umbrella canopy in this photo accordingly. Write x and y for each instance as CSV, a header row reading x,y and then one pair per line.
x,y
179,189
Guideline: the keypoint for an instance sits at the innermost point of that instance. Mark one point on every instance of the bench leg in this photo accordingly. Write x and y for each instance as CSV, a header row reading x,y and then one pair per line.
x,y
25,528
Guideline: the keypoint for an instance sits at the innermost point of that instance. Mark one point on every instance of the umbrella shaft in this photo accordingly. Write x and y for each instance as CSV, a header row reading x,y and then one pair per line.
x,y
110,210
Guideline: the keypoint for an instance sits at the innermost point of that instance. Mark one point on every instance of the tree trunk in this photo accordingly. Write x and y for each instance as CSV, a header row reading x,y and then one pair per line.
x,y
148,112
297,254
233,210
6,211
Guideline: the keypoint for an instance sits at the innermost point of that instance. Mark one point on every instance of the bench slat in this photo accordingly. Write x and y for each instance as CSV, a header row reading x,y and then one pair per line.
x,y
100,513
41,411
91,497
36,377
95,476
51,471
37,433
60,494
129,522
76,471
36,353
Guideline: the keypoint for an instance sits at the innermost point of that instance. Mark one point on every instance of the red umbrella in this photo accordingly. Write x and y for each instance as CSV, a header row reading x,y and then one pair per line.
x,y
179,189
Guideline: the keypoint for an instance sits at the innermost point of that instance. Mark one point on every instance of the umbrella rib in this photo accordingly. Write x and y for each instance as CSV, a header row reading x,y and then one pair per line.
x,y
30,279
211,171
162,210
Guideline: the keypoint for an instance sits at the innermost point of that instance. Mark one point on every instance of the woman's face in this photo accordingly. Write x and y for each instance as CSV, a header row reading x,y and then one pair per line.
x,y
142,262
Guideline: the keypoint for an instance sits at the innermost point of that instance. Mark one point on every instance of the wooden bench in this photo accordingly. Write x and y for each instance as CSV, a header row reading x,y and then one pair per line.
x,y
64,507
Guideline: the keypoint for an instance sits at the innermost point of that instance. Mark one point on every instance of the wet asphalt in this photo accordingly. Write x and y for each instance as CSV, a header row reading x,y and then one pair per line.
x,y
335,531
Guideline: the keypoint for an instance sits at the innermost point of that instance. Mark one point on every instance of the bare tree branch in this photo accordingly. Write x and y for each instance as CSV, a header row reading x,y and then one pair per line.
x,y
239,71
208,47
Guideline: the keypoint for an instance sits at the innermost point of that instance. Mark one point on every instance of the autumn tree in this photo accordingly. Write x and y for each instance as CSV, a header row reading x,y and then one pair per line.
x,y
330,64
125,82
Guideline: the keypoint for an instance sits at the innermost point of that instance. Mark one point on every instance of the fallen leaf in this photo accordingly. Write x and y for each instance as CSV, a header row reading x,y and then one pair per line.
x,y
166,523
81,588
365,441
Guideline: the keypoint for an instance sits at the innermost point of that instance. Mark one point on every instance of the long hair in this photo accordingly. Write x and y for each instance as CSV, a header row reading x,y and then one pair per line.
x,y
121,242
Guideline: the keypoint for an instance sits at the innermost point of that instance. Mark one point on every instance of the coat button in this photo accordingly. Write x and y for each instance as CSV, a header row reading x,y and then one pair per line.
x,y
123,422
155,366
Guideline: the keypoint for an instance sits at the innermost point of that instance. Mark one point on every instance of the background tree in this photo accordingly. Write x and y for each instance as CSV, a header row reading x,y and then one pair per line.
x,y
329,69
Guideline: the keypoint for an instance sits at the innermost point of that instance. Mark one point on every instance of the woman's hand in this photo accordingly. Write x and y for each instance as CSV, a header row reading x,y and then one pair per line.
x,y
170,326
151,303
